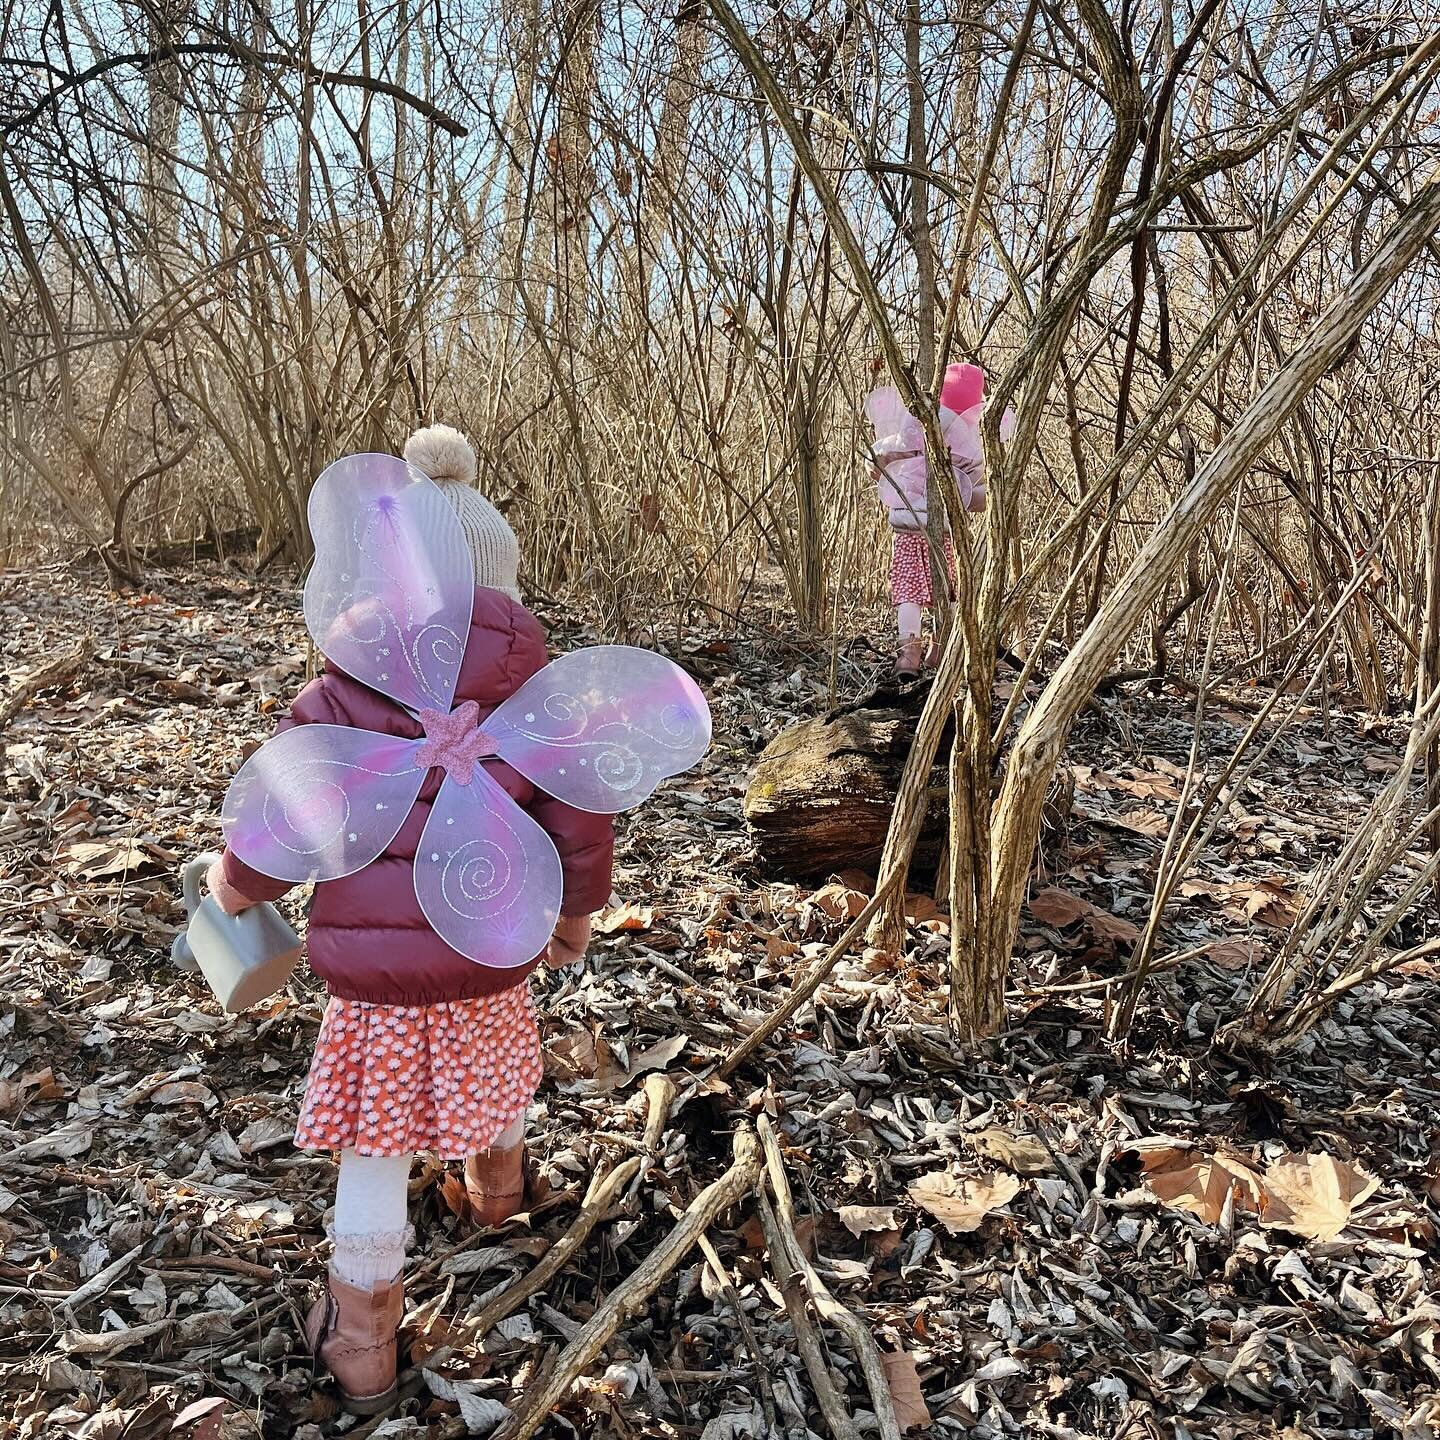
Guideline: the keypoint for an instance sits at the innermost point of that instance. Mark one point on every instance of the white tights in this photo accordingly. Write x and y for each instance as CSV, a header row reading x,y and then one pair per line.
x,y
369,1228
369,1224
908,618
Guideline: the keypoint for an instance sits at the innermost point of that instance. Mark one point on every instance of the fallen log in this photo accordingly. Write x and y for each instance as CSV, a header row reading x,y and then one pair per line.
x,y
821,794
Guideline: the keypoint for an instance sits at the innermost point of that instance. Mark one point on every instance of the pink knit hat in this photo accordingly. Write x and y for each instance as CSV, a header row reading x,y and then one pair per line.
x,y
964,388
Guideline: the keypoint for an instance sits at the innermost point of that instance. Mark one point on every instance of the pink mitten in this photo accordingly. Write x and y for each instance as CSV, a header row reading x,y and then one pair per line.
x,y
570,941
227,897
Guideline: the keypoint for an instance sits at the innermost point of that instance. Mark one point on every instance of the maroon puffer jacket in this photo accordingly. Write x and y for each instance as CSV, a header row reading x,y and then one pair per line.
x,y
368,938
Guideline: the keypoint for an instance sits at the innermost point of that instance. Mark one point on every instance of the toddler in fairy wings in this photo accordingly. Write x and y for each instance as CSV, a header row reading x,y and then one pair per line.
x,y
419,779
900,472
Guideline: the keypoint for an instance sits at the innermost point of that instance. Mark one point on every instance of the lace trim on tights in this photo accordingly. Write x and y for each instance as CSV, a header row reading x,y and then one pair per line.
x,y
376,1245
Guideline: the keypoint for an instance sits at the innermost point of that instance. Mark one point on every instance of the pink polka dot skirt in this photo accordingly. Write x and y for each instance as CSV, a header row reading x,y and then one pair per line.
x,y
910,568
393,1079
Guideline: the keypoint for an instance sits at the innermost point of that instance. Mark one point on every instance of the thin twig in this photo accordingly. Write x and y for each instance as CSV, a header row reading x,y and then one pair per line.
x,y
806,987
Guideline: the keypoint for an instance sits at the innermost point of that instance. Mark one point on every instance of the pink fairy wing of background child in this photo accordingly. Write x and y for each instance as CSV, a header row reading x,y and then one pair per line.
x,y
600,728
389,603
897,431
901,481
388,599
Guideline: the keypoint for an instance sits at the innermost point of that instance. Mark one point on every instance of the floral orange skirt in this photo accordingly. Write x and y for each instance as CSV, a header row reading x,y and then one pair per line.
x,y
393,1079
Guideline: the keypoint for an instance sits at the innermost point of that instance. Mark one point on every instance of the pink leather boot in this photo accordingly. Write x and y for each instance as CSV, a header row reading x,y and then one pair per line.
x,y
495,1183
352,1332
910,658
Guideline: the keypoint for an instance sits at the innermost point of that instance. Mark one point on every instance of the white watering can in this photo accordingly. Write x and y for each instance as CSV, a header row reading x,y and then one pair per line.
x,y
244,958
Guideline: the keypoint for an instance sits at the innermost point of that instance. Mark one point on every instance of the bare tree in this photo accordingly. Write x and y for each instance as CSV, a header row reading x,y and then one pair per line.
x,y
653,262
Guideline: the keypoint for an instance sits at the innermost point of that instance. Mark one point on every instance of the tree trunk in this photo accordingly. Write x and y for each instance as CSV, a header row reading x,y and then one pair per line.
x,y
967,658
165,25
1427,679
520,144
921,242
809,519
672,130
570,152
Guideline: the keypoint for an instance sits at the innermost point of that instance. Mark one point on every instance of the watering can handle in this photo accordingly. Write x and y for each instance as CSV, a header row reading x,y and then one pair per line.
x,y
191,877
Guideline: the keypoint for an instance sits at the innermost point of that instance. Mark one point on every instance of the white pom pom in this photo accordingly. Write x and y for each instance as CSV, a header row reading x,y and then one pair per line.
x,y
442,453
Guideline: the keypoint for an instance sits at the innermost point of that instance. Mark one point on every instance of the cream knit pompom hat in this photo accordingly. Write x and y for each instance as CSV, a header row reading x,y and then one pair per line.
x,y
447,457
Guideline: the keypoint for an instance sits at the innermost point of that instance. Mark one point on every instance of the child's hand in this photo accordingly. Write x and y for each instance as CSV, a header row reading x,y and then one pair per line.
x,y
569,942
226,896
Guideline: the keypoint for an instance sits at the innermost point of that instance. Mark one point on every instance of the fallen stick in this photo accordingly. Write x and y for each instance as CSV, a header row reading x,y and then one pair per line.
x,y
60,671
203,1264
792,1289
805,988
604,1191
24,1292
107,1343
630,1298
747,1330
102,1280
826,1305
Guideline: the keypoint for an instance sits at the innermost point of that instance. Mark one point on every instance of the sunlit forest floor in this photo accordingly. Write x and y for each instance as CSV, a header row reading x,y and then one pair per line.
x,y
1046,1237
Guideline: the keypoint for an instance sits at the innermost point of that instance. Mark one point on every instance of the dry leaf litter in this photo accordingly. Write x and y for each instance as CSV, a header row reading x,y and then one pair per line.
x,y
1047,1238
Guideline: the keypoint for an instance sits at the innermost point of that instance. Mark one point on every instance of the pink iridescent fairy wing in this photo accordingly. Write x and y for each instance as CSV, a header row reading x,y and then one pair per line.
x,y
320,801
893,423
601,728
967,457
486,875
902,483
962,435
388,598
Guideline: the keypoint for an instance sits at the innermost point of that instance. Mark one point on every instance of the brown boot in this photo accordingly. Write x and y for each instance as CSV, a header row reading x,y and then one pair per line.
x,y
907,663
495,1183
352,1333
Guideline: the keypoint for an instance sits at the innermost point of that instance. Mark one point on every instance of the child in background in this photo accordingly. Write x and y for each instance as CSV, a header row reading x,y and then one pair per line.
x,y
421,1049
900,474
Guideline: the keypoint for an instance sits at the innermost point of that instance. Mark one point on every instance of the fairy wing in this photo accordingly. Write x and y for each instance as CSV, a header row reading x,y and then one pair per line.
x,y
892,421
962,435
902,483
600,728
320,801
486,875
388,598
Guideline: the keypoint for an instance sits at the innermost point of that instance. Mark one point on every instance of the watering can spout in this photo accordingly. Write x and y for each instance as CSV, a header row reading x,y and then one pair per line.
x,y
182,957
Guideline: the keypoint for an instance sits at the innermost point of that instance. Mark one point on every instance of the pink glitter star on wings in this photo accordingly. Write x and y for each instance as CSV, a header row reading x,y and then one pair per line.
x,y
454,741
